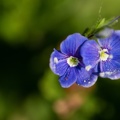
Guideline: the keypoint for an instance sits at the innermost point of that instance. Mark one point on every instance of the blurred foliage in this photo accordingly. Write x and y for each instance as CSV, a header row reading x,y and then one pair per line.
x,y
29,30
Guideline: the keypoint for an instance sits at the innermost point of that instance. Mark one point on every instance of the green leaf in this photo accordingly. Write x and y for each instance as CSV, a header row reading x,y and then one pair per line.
x,y
101,24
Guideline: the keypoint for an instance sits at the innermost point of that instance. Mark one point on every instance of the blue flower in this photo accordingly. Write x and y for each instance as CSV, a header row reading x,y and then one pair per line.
x,y
67,63
104,56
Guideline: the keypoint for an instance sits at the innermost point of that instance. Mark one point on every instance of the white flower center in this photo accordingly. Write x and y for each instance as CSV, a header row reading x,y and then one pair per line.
x,y
103,55
72,61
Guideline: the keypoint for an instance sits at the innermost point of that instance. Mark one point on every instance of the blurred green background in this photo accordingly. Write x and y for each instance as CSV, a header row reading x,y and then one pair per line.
x,y
29,30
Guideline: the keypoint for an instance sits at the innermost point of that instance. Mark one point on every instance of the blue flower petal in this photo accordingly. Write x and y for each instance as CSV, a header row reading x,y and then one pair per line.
x,y
68,78
115,56
110,69
115,76
112,42
71,44
115,51
55,57
85,78
104,43
110,66
61,67
112,75
117,32
90,53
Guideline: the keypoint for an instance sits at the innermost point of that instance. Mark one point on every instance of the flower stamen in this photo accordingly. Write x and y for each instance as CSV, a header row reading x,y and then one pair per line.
x,y
103,55
72,61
